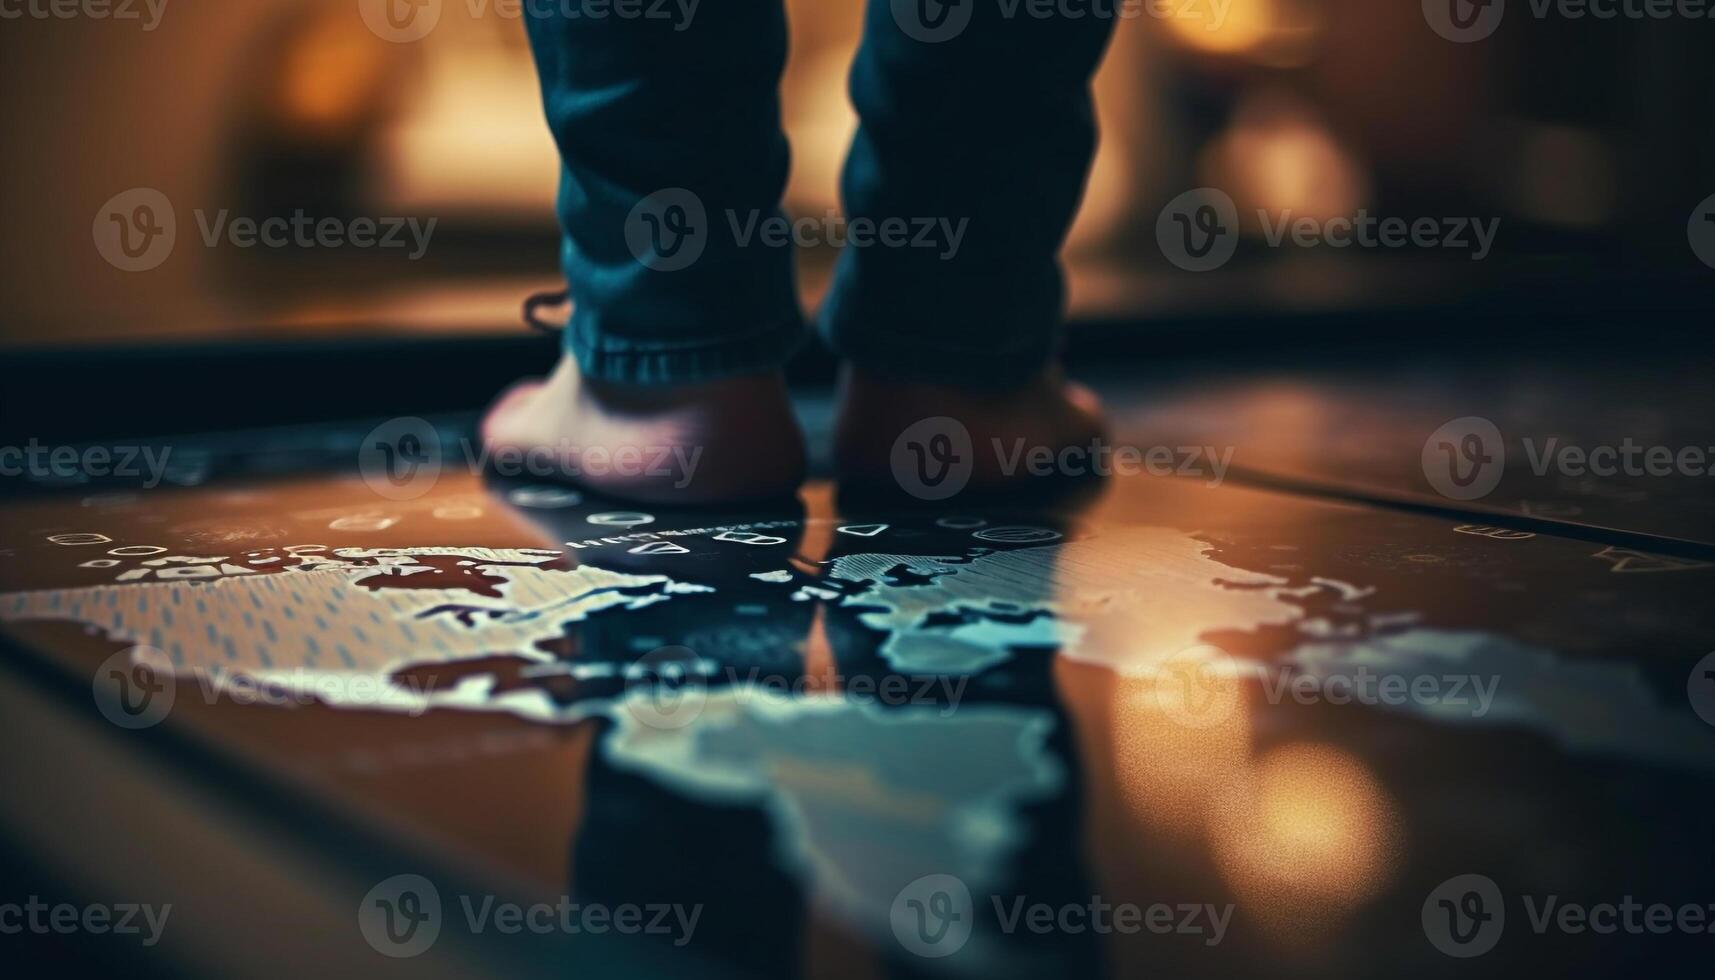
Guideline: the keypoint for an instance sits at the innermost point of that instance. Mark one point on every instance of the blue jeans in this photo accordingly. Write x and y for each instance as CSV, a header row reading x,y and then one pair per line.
x,y
967,168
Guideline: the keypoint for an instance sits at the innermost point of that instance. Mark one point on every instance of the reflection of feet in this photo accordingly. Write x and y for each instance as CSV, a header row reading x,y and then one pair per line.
x,y
1045,412
729,440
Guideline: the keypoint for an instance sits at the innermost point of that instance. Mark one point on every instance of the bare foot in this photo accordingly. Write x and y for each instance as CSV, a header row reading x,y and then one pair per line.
x,y
721,441
896,435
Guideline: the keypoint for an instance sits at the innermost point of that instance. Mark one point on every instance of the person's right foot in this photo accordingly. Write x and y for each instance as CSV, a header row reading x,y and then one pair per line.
x,y
874,413
723,441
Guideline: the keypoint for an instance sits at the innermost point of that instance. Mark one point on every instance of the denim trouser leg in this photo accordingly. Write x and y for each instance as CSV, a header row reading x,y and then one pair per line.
x,y
665,128
993,124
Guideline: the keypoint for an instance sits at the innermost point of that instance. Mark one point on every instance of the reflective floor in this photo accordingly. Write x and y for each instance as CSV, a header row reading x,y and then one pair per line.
x,y
1182,726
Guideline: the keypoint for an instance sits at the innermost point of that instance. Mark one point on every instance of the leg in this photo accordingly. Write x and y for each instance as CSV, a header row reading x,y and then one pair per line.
x,y
678,331
993,126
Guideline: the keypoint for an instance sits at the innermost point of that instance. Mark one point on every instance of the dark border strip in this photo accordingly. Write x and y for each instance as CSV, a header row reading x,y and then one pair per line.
x,y
1497,516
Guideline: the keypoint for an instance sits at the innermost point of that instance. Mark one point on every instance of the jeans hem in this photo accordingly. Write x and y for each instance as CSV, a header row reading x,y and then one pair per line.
x,y
762,351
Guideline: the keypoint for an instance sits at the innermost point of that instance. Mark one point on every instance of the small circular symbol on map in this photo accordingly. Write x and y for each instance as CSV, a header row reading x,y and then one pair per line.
x,y
932,459
1464,916
667,687
1198,231
621,519
1017,535
1197,686
1464,459
545,497
456,512
363,522
400,21
401,916
1464,21
668,230
400,459
74,539
1700,688
932,916
135,230
134,688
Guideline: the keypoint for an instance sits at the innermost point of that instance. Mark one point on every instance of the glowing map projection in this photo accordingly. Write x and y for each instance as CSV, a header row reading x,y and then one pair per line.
x,y
1133,600
841,778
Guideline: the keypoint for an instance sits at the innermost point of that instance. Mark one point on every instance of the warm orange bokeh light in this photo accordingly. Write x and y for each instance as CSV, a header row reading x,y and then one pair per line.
x,y
1309,831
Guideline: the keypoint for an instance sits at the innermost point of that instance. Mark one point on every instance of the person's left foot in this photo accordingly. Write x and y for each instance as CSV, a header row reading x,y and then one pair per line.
x,y
720,441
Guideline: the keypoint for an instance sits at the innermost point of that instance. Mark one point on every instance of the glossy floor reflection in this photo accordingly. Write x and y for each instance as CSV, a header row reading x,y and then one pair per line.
x,y
1181,730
